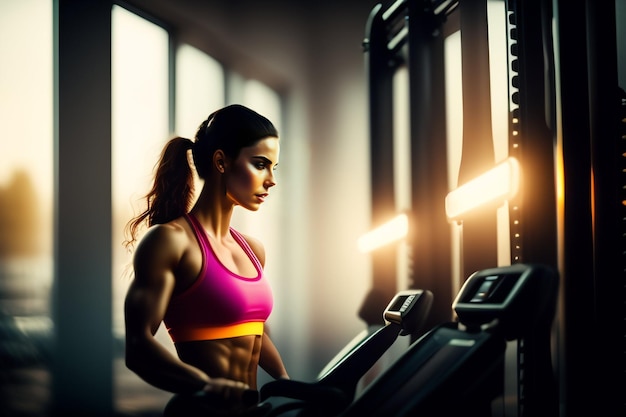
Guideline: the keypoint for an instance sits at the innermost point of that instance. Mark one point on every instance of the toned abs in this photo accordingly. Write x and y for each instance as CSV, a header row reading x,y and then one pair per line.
x,y
235,358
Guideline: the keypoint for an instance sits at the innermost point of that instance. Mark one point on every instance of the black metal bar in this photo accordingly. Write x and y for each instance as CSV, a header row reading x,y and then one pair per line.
x,y
609,224
380,66
431,243
533,214
576,249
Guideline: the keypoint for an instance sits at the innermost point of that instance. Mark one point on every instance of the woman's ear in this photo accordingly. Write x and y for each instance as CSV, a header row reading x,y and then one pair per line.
x,y
219,161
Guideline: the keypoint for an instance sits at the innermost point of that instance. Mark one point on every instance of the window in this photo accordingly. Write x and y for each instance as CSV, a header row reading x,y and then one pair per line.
x,y
140,118
26,201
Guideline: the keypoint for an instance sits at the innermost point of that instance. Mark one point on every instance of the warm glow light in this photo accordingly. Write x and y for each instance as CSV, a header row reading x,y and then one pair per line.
x,y
493,187
395,229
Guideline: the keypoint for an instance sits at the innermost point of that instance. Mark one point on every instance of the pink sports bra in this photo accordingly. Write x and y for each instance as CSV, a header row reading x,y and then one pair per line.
x,y
219,304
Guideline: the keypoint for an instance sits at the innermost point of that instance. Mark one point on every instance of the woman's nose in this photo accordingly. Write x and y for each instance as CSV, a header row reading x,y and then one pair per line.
x,y
271,180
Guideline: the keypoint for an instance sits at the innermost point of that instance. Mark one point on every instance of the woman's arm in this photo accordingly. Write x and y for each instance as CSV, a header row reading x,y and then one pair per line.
x,y
270,359
146,302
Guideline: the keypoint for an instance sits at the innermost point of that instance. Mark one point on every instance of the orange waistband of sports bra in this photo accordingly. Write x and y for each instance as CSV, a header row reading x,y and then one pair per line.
x,y
216,332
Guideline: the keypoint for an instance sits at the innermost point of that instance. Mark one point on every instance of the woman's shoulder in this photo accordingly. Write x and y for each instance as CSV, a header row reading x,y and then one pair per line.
x,y
170,236
256,245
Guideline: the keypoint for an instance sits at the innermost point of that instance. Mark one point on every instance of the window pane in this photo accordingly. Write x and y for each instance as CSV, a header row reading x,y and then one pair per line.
x,y
26,206
199,89
140,129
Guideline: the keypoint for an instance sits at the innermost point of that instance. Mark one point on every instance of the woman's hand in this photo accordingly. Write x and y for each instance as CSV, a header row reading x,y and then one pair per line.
x,y
231,390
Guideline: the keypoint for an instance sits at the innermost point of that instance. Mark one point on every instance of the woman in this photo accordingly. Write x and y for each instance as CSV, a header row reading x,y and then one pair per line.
x,y
201,277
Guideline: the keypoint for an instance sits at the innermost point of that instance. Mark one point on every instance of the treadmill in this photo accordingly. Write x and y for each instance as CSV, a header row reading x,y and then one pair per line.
x,y
334,388
457,368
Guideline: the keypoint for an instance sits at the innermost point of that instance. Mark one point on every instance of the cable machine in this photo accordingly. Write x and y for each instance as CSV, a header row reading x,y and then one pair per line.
x,y
566,131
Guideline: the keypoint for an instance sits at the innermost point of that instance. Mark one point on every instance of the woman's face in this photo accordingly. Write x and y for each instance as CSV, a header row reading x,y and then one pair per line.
x,y
251,175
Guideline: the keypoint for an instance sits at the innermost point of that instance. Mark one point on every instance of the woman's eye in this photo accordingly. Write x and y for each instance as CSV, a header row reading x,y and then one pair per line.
x,y
260,165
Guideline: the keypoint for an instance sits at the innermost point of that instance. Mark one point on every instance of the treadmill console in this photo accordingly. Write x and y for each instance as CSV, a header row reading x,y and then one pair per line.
x,y
516,295
407,308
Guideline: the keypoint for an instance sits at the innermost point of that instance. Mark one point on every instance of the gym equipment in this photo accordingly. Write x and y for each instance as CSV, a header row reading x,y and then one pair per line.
x,y
334,388
458,367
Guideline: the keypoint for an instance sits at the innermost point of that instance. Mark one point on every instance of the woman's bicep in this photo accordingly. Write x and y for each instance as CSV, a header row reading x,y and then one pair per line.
x,y
152,286
145,305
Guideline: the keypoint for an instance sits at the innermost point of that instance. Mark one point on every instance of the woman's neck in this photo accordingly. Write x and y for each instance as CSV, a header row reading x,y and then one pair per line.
x,y
213,211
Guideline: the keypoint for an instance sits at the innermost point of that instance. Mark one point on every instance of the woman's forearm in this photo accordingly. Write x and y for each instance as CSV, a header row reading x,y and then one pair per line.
x,y
157,366
271,361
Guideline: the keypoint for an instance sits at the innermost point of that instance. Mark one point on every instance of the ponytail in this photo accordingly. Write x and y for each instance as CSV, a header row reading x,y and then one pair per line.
x,y
172,192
